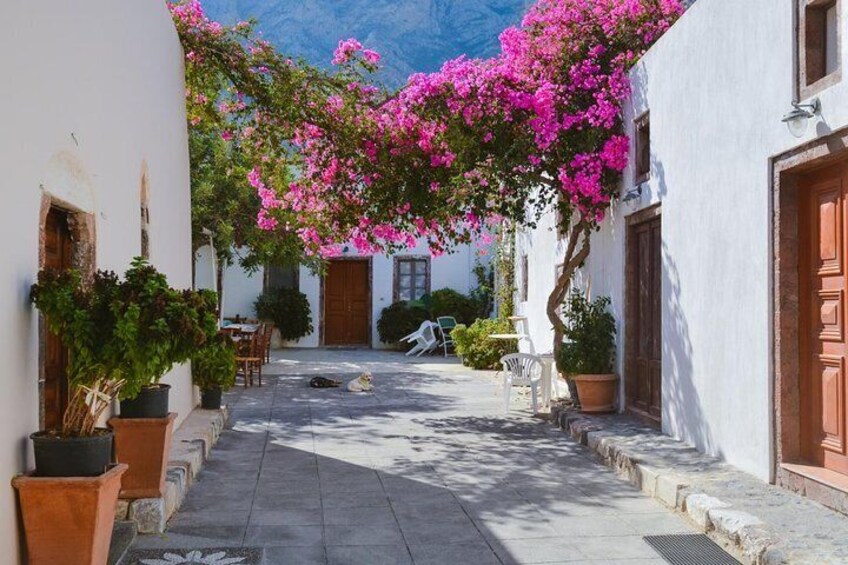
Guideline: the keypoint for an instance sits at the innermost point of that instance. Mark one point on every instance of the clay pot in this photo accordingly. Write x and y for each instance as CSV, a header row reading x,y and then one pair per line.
x,y
596,392
144,445
69,520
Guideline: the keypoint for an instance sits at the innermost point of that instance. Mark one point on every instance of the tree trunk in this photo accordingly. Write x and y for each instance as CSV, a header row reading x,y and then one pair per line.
x,y
219,287
576,253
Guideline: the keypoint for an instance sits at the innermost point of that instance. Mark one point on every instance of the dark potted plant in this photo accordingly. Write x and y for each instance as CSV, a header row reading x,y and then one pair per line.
x,y
161,327
157,327
587,357
68,504
288,309
213,370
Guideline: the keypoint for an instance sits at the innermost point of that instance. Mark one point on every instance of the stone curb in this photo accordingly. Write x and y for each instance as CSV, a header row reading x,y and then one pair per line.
x,y
745,536
190,446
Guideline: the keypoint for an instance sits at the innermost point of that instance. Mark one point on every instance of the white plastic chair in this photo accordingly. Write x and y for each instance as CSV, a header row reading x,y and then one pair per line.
x,y
424,338
521,369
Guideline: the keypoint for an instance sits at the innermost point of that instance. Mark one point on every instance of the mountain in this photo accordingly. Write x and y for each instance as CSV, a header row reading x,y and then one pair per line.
x,y
412,35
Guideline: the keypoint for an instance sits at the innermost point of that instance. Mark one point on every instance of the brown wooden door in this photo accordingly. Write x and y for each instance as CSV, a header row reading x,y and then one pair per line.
x,y
346,303
57,255
822,322
643,364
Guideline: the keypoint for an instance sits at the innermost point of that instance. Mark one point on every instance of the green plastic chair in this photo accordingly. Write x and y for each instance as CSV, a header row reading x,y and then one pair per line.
x,y
446,325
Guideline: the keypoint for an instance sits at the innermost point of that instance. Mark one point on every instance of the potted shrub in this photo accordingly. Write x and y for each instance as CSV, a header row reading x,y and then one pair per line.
x,y
587,357
68,504
157,327
288,309
161,327
213,370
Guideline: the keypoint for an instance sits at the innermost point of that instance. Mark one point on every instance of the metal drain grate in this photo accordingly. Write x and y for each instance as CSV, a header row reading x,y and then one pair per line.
x,y
690,549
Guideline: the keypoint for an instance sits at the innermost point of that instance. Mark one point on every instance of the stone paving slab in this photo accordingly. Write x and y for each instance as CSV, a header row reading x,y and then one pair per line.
x,y
758,522
426,470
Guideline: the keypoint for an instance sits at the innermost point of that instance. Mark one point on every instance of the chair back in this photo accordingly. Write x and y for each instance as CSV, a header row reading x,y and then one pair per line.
x,y
523,367
446,323
428,331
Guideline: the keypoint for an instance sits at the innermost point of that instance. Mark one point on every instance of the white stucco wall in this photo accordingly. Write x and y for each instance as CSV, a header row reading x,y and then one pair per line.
x,y
91,91
448,271
717,85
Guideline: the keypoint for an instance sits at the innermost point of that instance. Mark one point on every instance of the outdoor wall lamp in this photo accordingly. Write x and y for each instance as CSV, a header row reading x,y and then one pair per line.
x,y
799,117
633,194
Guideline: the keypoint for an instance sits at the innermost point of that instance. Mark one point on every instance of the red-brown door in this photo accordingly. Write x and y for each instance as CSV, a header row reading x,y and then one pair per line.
x,y
57,255
643,364
346,303
822,335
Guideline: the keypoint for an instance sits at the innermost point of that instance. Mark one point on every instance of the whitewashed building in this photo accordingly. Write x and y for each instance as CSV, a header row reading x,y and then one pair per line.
x,y
347,301
92,136
726,265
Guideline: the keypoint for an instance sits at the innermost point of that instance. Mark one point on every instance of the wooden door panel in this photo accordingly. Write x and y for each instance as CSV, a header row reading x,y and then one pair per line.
x,y
347,303
58,248
822,318
643,361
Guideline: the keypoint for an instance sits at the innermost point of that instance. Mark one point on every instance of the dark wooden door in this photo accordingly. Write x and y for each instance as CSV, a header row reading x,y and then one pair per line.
x,y
643,364
822,322
58,248
347,293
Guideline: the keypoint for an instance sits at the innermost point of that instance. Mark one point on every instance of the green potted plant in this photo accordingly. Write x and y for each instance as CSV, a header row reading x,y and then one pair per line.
x,y
213,370
160,327
73,492
588,355
157,327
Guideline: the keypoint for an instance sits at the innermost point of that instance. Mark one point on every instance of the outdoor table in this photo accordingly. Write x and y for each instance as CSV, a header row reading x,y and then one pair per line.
x,y
241,328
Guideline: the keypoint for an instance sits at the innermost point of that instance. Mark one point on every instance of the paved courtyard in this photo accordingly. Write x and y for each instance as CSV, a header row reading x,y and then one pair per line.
x,y
426,470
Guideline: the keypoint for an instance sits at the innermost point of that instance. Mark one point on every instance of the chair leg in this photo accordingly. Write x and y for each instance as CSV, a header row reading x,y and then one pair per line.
x,y
260,373
507,384
244,372
534,398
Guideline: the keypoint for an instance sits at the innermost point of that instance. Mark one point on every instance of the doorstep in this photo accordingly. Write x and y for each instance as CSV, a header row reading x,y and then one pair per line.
x,y
757,522
190,446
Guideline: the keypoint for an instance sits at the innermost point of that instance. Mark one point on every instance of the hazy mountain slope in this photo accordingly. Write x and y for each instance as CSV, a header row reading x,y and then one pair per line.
x,y
412,35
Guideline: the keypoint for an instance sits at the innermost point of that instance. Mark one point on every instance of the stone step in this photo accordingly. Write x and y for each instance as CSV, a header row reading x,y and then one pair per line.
x,y
123,536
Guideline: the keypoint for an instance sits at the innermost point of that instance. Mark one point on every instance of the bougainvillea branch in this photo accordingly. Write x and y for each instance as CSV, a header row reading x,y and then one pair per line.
x,y
453,152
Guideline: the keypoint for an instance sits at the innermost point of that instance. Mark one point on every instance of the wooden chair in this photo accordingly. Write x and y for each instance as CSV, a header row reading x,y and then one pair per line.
x,y
268,333
250,356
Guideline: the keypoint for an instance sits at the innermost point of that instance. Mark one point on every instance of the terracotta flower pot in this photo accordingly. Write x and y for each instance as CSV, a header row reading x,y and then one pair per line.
x,y
69,520
144,445
596,392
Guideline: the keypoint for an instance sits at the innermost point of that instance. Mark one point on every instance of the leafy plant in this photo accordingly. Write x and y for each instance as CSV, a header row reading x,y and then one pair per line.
x,y
483,294
448,302
399,320
590,334
213,366
477,349
122,335
289,309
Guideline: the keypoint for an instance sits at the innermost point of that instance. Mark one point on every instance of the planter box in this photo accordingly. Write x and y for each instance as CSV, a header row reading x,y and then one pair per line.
x,y
144,445
69,520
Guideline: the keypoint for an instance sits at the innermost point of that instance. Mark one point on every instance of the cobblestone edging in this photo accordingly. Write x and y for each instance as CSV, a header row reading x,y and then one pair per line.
x,y
190,446
721,501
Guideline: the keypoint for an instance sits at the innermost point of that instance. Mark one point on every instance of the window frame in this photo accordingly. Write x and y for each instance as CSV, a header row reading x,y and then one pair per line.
x,y
641,171
398,260
811,47
266,278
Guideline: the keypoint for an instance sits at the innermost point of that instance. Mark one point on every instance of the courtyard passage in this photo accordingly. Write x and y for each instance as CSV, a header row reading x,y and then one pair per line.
x,y
426,470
